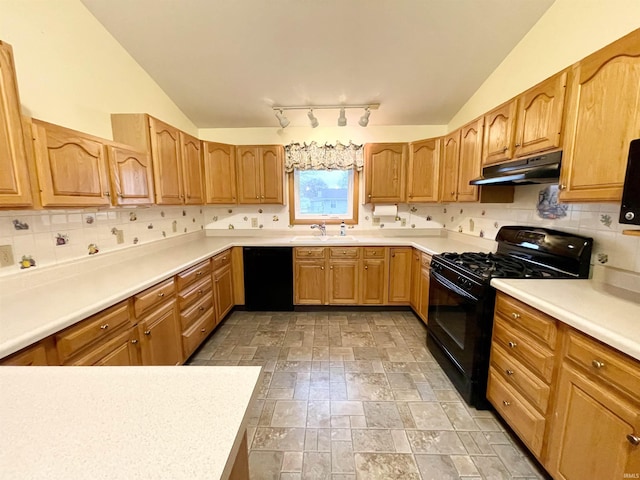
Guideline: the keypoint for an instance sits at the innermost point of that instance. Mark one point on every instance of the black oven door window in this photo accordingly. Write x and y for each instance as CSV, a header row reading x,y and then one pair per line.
x,y
453,320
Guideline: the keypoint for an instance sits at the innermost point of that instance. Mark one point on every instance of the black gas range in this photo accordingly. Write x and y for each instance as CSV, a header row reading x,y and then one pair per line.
x,y
461,299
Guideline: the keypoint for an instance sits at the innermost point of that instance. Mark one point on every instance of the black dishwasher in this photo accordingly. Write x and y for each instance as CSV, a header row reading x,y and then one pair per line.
x,y
268,278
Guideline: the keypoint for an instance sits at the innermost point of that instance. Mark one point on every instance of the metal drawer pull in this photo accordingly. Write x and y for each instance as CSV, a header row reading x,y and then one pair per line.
x,y
512,344
366,267
104,327
515,315
200,292
505,403
161,294
134,341
201,309
147,332
633,439
203,330
344,252
597,364
199,272
508,372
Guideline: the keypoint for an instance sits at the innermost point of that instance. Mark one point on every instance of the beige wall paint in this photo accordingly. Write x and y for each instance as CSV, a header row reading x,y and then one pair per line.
x,y
569,31
72,72
356,134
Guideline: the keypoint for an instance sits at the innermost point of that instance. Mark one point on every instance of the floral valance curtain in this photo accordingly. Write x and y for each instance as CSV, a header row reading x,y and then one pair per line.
x,y
323,157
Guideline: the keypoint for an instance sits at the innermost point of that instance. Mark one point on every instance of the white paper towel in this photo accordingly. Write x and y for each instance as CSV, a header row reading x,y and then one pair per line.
x,y
385,211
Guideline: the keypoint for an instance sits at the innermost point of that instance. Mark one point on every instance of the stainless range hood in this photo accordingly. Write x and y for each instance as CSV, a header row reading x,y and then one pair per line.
x,y
539,169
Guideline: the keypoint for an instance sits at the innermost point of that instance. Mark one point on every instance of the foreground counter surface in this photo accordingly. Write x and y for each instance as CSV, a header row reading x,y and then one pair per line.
x,y
123,422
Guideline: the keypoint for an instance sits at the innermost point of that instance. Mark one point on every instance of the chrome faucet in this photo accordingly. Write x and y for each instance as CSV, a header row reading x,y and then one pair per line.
x,y
322,228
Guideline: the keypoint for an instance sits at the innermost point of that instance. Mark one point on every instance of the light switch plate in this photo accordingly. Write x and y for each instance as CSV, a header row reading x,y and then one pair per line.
x,y
376,221
403,222
6,255
119,237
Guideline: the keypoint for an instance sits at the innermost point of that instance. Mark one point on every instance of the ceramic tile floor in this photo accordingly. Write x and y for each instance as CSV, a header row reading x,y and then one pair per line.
x,y
356,395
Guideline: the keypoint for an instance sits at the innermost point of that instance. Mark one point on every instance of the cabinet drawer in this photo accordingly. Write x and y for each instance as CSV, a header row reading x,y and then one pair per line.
x,y
426,260
373,252
520,377
194,292
524,348
533,321
309,252
120,351
221,260
192,314
153,296
99,326
195,273
344,252
35,355
604,362
524,419
193,337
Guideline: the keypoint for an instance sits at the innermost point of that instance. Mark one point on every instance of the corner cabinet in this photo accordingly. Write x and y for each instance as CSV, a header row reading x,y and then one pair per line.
x,y
384,172
219,172
603,116
260,174
424,168
15,187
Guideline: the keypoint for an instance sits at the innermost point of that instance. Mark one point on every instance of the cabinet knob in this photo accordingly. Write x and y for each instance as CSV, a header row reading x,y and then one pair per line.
x,y
203,330
504,149
262,196
198,273
515,315
104,327
562,186
453,193
506,403
344,252
257,196
512,344
597,364
200,292
321,268
147,332
369,196
331,267
508,372
161,294
366,267
134,341
633,439
517,144
224,258
107,194
201,309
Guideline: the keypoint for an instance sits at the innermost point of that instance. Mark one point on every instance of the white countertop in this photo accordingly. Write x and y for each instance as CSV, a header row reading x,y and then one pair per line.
x,y
123,422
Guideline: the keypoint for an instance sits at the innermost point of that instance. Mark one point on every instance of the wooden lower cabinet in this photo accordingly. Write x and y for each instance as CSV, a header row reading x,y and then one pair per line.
x,y
120,351
309,286
343,282
198,332
34,355
159,336
223,291
400,275
373,281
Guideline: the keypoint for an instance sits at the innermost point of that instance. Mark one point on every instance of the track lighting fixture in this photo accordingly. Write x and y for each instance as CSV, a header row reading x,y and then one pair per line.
x,y
342,119
284,121
312,119
364,119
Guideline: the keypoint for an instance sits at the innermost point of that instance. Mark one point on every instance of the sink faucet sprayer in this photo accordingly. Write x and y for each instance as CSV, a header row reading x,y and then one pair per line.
x,y
322,228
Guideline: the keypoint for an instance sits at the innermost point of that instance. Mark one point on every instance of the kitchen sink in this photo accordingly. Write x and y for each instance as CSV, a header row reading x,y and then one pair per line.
x,y
326,239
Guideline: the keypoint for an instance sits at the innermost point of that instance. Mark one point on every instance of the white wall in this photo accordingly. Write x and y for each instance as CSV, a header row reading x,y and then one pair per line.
x,y
567,32
72,72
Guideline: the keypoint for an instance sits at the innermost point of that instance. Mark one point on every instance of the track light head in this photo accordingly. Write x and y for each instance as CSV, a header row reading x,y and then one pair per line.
x,y
364,119
284,121
342,119
312,119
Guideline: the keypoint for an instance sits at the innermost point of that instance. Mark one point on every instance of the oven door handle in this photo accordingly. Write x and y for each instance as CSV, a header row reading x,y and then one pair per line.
x,y
452,286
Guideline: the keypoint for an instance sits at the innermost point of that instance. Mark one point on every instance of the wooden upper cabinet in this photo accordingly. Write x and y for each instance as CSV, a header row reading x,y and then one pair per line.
x,y
260,174
384,172
131,176
470,164
449,167
219,172
15,189
192,170
603,116
424,166
71,167
540,110
499,131
166,151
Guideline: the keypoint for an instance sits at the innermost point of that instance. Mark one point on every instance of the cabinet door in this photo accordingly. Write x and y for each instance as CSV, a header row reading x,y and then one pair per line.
x,y
603,116
373,281
192,171
540,116
166,152
271,174
70,166
415,280
449,168
220,172
499,129
470,165
248,175
424,165
160,336
223,291
343,282
35,355
400,275
131,176
310,282
119,351
384,172
14,177
588,437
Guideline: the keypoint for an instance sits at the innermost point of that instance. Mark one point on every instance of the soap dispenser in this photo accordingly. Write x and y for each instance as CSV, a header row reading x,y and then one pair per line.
x,y
343,229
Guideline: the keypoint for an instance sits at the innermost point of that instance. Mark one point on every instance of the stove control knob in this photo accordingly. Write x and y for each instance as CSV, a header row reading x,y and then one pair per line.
x,y
629,216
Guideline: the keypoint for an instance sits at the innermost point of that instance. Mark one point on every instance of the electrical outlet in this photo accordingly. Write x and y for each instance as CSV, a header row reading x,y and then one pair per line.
x,y
254,222
6,255
119,237
403,222
375,221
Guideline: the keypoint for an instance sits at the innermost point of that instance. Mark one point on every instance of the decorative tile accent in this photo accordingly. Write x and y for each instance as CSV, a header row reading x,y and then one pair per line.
x,y
548,206
135,240
481,233
602,258
184,213
185,229
275,218
259,210
150,226
132,216
461,211
605,219
261,226
413,225
174,226
162,213
484,212
246,219
413,209
93,249
89,219
193,219
459,229
231,211
164,234
61,239
231,227
200,211
444,210
496,225
18,225
428,218
215,218
27,261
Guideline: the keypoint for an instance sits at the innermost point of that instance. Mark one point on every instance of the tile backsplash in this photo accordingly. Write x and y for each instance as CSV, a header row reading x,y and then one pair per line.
x,y
50,237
